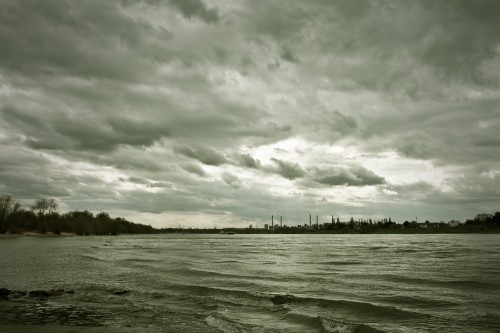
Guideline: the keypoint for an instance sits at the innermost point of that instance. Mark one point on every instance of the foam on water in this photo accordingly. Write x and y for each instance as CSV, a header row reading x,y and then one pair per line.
x,y
224,324
332,326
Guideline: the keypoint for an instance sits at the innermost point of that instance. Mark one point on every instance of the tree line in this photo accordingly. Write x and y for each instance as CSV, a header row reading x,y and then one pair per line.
x,y
43,217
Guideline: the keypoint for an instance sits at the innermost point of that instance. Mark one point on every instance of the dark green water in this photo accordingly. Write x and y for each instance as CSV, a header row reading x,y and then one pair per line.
x,y
229,283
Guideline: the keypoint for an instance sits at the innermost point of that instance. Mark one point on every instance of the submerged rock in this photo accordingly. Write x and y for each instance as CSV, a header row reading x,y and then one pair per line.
x,y
121,292
56,292
18,293
282,299
39,293
4,292
46,293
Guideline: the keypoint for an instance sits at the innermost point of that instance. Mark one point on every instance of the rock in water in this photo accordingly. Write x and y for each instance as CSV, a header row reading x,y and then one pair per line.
x,y
39,293
282,299
56,292
4,292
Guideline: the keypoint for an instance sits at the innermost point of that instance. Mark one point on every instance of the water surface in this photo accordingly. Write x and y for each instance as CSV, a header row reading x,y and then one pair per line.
x,y
235,283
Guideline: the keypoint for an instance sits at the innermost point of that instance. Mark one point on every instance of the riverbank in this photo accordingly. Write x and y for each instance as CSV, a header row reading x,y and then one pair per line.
x,y
344,230
284,230
69,329
36,234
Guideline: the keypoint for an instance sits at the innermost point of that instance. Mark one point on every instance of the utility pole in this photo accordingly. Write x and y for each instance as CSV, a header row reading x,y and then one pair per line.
x,y
309,219
281,221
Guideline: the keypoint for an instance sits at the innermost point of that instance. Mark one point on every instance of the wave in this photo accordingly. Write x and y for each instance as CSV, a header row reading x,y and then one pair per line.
x,y
89,257
284,300
229,261
318,323
378,248
225,324
407,250
342,262
418,301
139,260
207,272
376,310
470,284
333,326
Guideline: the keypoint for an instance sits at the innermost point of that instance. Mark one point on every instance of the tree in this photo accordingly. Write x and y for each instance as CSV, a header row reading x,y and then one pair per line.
x,y
8,208
51,205
41,205
351,223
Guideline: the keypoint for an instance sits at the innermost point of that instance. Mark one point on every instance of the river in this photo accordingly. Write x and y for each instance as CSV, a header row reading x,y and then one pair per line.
x,y
252,283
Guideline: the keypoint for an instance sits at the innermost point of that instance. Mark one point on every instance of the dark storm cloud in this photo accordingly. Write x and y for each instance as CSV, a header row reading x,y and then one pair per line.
x,y
246,160
24,182
84,39
183,105
463,37
63,131
288,170
194,168
446,134
205,155
288,55
196,8
348,176
480,187
231,180
379,45
330,125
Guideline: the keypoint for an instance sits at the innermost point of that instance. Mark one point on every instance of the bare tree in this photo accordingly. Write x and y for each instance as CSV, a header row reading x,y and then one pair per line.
x,y
51,205
8,207
41,205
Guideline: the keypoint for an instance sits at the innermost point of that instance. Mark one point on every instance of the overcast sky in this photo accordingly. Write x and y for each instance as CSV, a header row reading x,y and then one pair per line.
x,y
195,112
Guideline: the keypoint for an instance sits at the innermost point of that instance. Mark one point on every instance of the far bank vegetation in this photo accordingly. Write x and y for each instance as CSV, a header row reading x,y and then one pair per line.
x,y
43,217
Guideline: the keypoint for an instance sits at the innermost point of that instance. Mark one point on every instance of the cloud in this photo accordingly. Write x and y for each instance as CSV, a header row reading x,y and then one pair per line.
x,y
60,130
287,54
288,170
231,180
347,176
196,8
194,168
227,109
204,155
446,134
98,40
246,160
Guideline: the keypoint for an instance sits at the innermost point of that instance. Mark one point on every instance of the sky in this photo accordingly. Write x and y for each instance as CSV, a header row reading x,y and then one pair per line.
x,y
197,113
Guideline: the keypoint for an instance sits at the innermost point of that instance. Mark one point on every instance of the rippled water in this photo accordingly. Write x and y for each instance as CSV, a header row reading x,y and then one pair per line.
x,y
235,283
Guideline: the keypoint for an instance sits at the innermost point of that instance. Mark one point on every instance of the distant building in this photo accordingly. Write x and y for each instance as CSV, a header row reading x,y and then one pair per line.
x,y
266,226
428,224
454,223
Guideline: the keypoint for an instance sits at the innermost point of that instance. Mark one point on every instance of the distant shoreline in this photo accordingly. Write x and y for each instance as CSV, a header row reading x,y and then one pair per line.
x,y
395,231
401,231
37,234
